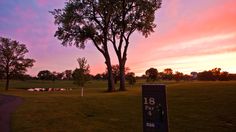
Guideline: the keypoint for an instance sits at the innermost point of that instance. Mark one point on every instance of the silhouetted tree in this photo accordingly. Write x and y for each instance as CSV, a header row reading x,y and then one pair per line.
x,y
68,74
98,77
81,74
128,17
57,75
12,58
216,73
224,76
167,74
45,75
116,72
151,74
168,71
104,76
130,76
187,77
206,76
60,75
178,76
103,21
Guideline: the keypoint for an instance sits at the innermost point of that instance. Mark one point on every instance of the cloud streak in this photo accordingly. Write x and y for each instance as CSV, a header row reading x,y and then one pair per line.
x,y
186,30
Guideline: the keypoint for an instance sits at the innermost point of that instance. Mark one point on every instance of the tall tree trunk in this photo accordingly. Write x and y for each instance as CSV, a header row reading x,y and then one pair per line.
x,y
111,83
122,79
7,78
122,75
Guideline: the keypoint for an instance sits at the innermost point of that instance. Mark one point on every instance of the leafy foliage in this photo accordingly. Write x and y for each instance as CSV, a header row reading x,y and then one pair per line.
x,y
131,78
116,72
81,74
178,76
152,74
45,75
105,21
12,58
167,74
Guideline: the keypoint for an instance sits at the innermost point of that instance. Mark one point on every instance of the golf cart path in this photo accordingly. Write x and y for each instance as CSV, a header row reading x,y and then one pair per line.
x,y
8,104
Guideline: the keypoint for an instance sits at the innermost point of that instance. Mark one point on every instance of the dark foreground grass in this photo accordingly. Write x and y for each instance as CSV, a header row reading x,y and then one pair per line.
x,y
193,106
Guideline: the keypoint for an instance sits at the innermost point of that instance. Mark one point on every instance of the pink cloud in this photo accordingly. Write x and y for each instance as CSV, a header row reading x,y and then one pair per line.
x,y
43,2
54,3
220,19
201,28
25,14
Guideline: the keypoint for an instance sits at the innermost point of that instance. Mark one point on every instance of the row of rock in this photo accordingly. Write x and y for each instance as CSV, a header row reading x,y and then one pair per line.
x,y
48,89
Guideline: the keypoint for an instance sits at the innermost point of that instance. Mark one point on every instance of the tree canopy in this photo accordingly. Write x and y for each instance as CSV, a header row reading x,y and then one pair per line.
x,y
12,58
105,21
45,75
81,74
152,74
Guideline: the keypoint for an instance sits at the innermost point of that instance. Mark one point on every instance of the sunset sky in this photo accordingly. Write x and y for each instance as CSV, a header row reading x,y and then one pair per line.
x,y
191,35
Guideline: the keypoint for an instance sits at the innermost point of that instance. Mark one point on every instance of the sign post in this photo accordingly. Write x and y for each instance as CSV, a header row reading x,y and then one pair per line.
x,y
154,108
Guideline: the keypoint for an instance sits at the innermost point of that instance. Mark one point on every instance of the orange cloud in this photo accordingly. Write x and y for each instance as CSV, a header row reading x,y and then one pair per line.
x,y
210,31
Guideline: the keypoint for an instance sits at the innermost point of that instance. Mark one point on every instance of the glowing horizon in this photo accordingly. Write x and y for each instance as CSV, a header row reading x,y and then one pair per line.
x,y
190,36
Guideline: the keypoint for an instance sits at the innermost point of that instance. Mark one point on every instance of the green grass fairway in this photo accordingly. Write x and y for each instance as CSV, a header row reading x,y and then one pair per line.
x,y
193,107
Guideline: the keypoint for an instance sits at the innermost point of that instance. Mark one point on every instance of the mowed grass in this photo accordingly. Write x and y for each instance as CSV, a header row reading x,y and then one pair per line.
x,y
192,106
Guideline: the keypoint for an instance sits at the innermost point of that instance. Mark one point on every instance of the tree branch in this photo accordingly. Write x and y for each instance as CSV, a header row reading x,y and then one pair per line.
x,y
96,44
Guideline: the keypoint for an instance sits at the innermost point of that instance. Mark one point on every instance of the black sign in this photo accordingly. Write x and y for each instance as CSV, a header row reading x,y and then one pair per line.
x,y
154,108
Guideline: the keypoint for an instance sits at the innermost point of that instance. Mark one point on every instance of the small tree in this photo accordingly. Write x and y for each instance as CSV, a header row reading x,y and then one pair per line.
x,y
178,76
131,78
12,58
45,75
98,77
68,74
81,74
167,74
152,74
116,72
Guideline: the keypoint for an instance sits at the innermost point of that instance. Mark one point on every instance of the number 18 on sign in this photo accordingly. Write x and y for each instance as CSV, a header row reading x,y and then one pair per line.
x,y
154,108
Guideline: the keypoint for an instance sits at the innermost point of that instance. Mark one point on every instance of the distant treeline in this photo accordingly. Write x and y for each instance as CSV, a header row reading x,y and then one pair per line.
x,y
151,74
211,75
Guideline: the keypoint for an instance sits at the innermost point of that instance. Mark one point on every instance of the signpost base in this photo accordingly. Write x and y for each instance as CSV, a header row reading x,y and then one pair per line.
x,y
154,108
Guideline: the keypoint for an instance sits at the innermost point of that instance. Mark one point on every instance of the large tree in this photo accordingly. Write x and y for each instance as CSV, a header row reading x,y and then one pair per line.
x,y
130,16
87,20
12,58
103,22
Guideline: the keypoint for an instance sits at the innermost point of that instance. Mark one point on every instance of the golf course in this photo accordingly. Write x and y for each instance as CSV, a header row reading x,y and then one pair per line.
x,y
196,106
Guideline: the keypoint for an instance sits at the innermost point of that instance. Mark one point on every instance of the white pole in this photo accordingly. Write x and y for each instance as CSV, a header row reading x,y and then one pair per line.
x,y
82,92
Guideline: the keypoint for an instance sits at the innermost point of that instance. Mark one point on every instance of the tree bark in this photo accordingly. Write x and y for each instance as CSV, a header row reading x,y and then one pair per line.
x,y
122,78
111,83
7,78
122,62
